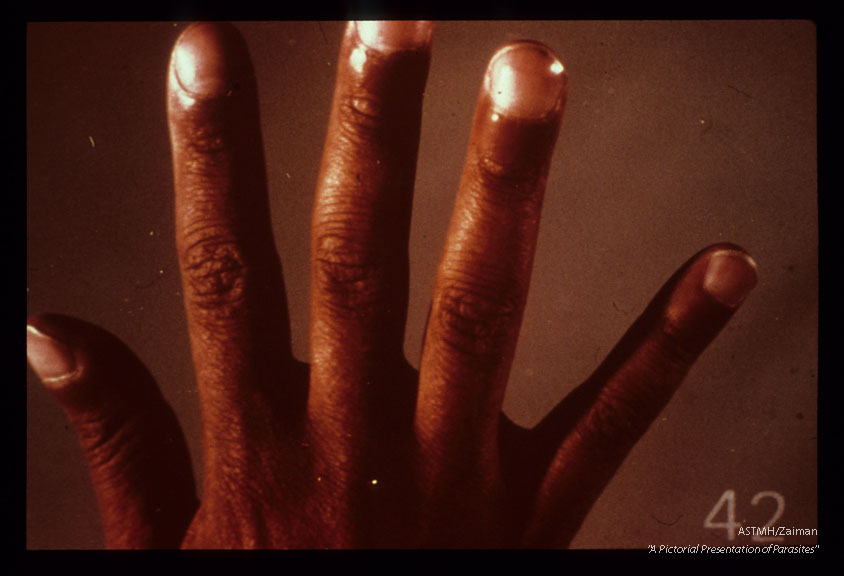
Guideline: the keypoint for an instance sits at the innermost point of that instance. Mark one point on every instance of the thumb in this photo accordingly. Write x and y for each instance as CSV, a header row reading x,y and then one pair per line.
x,y
136,452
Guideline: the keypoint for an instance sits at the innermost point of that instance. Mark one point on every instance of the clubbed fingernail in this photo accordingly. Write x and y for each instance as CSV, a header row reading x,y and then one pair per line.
x,y
395,34
526,80
52,360
202,60
730,276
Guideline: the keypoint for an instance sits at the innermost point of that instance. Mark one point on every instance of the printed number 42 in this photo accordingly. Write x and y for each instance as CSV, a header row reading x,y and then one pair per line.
x,y
728,500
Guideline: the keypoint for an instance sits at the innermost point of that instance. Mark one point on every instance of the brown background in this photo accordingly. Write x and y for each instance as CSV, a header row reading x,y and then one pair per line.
x,y
677,135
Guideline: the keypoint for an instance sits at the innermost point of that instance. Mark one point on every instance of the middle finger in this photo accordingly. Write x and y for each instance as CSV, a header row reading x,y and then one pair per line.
x,y
361,222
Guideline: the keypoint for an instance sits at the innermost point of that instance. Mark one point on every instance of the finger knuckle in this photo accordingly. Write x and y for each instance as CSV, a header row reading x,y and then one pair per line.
x,y
206,140
509,183
676,352
108,444
350,276
214,270
477,318
206,151
360,117
614,421
632,400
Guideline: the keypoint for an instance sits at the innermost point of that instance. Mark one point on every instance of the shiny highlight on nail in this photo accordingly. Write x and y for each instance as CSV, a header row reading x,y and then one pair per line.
x,y
201,60
526,80
394,35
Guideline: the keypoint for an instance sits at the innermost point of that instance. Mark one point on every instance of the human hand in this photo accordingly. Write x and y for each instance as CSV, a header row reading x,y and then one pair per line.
x,y
361,450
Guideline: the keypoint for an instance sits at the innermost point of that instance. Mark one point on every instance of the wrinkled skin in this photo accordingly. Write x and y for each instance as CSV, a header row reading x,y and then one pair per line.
x,y
357,448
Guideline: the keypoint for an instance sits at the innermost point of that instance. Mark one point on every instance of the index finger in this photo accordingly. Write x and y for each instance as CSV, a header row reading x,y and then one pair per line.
x,y
233,289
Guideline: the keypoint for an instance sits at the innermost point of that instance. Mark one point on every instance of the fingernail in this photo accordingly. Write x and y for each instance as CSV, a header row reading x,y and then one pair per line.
x,y
394,34
730,276
51,360
201,60
526,80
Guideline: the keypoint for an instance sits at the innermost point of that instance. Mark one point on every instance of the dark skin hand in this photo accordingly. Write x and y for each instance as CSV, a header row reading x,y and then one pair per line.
x,y
357,448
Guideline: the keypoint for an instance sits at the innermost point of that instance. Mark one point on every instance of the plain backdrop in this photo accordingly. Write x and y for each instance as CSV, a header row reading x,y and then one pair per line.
x,y
676,135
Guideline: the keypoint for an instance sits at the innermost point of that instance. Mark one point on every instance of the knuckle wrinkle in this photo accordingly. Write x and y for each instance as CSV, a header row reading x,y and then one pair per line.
x,y
510,183
359,117
350,278
477,320
214,270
